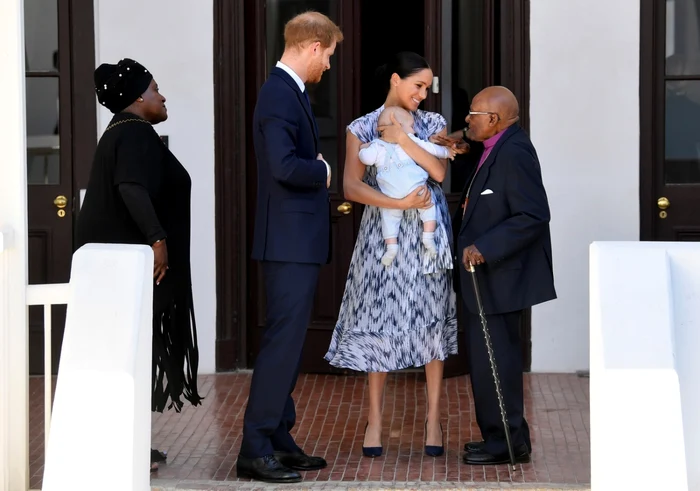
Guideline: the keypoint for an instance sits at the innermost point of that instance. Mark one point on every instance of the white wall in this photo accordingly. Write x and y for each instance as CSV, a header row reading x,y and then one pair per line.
x,y
174,40
14,339
584,123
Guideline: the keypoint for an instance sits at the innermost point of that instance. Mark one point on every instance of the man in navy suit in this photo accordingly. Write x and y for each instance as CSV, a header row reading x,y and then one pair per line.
x,y
502,229
292,240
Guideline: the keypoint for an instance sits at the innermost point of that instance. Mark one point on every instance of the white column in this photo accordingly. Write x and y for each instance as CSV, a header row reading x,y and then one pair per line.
x,y
14,402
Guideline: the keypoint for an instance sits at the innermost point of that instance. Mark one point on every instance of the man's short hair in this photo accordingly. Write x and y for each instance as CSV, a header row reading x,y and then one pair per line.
x,y
311,27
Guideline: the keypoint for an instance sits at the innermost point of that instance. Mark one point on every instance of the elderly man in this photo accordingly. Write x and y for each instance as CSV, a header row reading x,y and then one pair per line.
x,y
502,228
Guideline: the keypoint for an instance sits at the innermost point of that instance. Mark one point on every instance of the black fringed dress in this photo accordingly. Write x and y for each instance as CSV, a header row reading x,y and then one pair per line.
x,y
139,193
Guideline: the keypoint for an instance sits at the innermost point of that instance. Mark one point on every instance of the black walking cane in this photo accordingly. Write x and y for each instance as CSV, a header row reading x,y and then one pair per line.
x,y
492,361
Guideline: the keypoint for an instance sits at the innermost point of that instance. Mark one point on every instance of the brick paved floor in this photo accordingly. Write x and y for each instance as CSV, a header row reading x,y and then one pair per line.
x,y
202,443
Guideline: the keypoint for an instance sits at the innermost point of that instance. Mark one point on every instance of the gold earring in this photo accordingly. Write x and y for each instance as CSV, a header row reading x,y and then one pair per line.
x,y
140,99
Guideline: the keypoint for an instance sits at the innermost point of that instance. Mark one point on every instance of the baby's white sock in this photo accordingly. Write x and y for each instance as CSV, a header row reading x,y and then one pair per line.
x,y
429,242
390,254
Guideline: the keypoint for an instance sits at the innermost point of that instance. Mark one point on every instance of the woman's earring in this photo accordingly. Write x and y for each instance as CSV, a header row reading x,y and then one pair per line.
x,y
140,99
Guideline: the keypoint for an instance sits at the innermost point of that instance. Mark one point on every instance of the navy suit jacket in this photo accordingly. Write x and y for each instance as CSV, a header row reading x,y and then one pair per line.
x,y
510,227
292,219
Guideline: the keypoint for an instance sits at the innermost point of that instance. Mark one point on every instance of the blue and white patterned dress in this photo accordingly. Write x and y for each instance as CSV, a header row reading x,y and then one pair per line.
x,y
403,315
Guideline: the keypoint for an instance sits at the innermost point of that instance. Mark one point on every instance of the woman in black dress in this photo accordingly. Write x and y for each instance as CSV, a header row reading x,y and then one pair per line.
x,y
140,194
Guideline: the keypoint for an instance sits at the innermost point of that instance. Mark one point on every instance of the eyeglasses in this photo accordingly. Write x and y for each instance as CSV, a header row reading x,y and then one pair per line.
x,y
477,113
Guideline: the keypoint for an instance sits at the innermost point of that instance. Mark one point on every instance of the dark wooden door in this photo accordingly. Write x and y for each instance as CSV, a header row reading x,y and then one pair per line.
x,y
670,98
49,177
373,31
54,40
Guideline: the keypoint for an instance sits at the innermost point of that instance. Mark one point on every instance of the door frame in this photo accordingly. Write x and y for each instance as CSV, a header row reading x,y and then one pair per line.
x,y
236,26
651,107
83,127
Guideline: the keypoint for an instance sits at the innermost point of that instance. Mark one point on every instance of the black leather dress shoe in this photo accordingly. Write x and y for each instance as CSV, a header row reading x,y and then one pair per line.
x,y
266,469
299,461
474,446
522,456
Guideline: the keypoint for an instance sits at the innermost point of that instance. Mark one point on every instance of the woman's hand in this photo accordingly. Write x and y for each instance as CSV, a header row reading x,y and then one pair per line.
x,y
457,144
160,260
419,198
391,133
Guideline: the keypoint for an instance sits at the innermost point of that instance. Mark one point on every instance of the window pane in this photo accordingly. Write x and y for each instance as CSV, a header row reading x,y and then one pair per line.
x,y
462,78
42,131
682,37
323,96
41,34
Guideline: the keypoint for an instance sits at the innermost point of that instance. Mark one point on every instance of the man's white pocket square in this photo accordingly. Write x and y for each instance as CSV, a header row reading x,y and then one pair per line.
x,y
488,191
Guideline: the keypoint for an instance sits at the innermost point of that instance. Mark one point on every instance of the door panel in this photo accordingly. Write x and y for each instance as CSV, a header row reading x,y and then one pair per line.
x,y
460,44
332,112
464,49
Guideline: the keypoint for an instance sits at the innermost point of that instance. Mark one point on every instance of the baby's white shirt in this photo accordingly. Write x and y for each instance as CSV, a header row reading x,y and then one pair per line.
x,y
397,173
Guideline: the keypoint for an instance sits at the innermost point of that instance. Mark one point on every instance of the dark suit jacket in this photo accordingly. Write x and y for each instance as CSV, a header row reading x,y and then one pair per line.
x,y
510,227
292,219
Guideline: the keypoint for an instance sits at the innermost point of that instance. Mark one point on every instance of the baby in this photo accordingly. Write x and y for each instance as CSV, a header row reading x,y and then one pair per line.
x,y
398,175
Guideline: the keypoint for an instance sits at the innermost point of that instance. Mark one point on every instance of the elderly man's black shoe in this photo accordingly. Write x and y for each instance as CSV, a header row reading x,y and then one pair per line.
x,y
522,456
474,446
479,447
266,469
300,461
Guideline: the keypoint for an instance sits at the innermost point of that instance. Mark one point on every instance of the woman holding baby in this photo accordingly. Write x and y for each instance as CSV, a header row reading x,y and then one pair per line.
x,y
402,313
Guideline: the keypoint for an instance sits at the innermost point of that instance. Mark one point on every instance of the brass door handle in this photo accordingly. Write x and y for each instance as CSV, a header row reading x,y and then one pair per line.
x,y
663,203
60,201
345,208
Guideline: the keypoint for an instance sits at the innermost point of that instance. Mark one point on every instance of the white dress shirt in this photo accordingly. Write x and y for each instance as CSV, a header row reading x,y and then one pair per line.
x,y
302,88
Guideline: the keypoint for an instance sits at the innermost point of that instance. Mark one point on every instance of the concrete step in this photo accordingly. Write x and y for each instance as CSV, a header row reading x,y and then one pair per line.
x,y
175,485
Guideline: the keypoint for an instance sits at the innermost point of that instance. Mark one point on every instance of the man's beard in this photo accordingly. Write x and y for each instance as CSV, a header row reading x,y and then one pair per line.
x,y
315,75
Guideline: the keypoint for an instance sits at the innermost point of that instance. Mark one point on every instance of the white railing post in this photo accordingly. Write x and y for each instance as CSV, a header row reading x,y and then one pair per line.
x,y
14,367
103,391
47,296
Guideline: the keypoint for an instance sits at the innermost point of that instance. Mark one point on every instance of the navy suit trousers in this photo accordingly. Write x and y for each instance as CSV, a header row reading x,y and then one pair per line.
x,y
270,414
505,339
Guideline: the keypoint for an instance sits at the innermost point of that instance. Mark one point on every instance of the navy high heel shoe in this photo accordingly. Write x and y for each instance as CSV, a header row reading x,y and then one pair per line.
x,y
371,452
434,450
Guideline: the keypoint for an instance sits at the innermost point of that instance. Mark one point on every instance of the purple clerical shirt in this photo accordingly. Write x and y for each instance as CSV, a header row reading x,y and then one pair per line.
x,y
488,146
